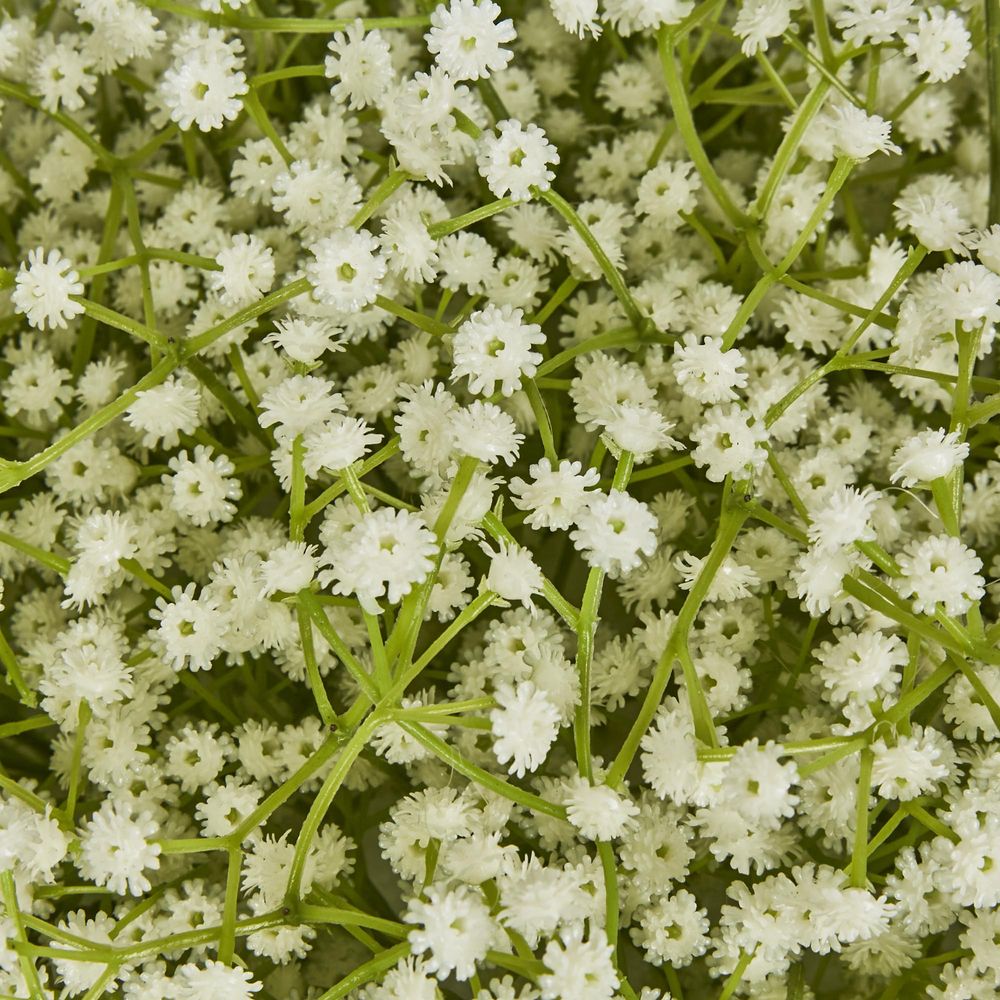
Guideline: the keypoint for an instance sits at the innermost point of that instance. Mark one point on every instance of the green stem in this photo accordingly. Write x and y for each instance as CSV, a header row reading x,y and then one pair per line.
x,y
476,774
729,527
309,602
316,685
324,799
378,197
227,936
48,559
586,629
439,229
371,970
912,262
841,171
610,272
286,73
666,41
76,778
297,501
14,674
993,91
538,408
859,858
8,892
566,288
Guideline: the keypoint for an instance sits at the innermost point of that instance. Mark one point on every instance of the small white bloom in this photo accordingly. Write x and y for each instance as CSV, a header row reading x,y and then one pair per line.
x,y
940,570
599,812
858,135
43,288
614,531
384,555
495,345
247,270
361,64
289,568
455,927
524,726
927,456
705,372
940,45
484,431
843,518
553,497
513,574
516,160
347,270
467,40
116,848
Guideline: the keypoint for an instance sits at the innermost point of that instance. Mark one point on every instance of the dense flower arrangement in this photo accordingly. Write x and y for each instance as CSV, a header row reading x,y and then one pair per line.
x,y
499,503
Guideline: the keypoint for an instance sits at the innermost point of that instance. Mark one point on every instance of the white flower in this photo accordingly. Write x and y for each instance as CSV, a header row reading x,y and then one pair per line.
x,y
42,290
62,74
338,444
940,570
297,405
553,497
116,848
466,38
669,189
705,372
383,555
599,812
730,442
516,160
524,726
247,270
191,629
31,842
858,135
203,488
674,929
614,531
455,928
843,518
877,21
495,345
361,64
639,428
216,980
967,293
760,20
579,969
346,271
484,431
204,85
912,765
940,45
758,785
166,411
629,16
859,666
305,339
513,574
927,456
289,568
578,16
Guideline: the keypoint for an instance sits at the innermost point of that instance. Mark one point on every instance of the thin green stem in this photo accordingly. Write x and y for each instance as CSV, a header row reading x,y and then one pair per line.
x,y
439,229
677,91
608,269
8,893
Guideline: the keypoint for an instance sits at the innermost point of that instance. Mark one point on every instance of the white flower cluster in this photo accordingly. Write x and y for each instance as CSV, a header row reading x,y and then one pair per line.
x,y
499,501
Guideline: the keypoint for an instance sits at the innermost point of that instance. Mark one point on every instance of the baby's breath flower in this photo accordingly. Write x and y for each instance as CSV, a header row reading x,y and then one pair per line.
x,y
43,288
